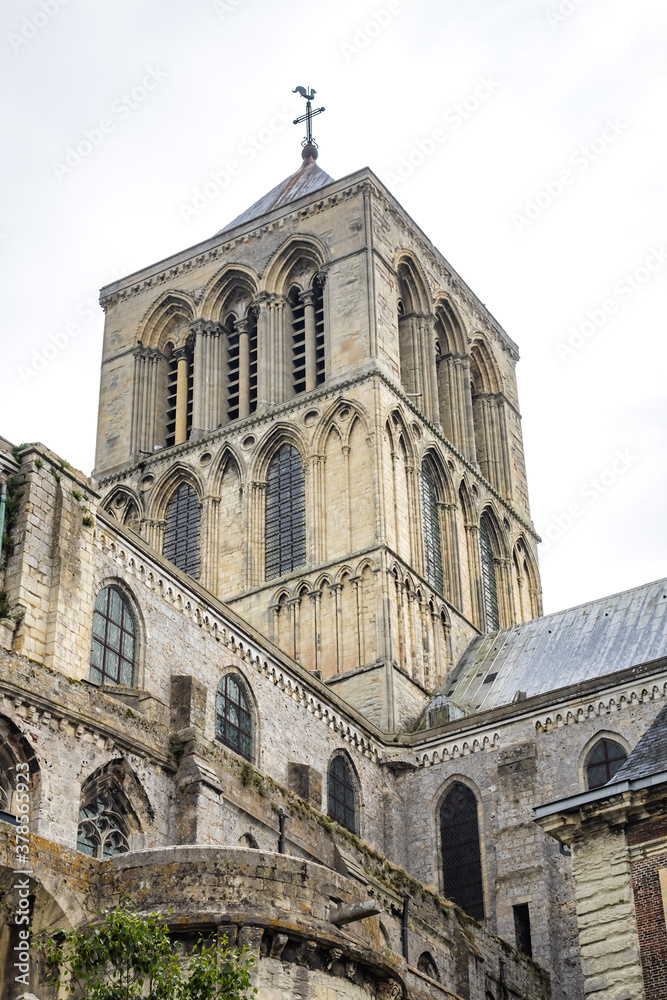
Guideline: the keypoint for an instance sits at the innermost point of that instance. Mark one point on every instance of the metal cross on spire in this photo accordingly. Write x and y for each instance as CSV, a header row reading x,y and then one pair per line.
x,y
308,95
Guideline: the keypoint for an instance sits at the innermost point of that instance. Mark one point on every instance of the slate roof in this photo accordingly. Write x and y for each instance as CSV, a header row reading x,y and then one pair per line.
x,y
579,644
650,754
308,178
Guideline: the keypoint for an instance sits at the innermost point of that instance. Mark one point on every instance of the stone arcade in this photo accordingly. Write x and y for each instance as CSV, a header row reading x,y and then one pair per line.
x,y
304,582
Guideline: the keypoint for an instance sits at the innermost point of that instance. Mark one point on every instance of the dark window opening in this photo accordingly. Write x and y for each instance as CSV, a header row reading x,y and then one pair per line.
x,y
341,794
319,332
426,965
298,342
102,830
432,537
252,346
114,639
232,341
172,367
181,530
603,761
461,854
285,527
522,929
233,722
489,583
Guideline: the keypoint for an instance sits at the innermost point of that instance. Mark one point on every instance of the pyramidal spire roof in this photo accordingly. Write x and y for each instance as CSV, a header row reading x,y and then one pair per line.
x,y
309,177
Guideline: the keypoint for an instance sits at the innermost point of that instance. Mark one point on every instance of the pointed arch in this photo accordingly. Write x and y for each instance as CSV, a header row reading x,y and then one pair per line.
x,y
18,764
225,529
459,823
341,412
114,655
484,370
114,811
431,525
490,541
124,506
449,327
168,319
281,433
526,582
343,792
234,288
297,260
164,488
177,504
413,285
416,343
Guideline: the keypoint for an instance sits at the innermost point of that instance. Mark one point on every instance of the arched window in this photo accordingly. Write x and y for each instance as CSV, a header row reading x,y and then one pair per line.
x,y
602,762
298,342
342,793
461,855
7,779
102,829
241,360
181,530
285,527
431,522
233,721
308,355
489,583
113,655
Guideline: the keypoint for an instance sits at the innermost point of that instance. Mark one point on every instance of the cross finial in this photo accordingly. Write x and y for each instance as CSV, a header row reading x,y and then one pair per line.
x,y
309,145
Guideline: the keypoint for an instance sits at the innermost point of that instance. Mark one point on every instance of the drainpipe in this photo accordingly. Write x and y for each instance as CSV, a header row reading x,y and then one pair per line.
x,y
3,501
282,817
404,928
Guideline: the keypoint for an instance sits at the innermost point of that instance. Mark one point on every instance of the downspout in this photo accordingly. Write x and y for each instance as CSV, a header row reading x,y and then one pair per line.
x,y
3,501
404,924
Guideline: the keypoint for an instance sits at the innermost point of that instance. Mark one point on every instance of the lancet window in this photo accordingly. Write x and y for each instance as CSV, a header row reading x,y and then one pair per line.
x,y
603,761
285,519
181,531
241,341
489,581
461,852
180,394
308,350
431,526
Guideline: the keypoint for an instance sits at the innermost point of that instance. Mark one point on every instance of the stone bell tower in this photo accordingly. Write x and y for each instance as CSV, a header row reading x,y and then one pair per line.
x,y
312,414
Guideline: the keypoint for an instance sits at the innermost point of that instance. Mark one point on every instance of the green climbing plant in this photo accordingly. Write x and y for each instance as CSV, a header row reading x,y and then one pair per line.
x,y
128,956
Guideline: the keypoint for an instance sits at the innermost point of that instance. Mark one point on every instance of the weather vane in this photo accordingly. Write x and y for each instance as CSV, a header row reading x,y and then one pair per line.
x,y
309,115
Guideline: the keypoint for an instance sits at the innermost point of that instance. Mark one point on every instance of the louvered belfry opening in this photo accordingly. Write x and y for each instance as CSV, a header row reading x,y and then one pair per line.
x,y
232,342
285,525
252,344
172,367
461,855
603,762
432,537
341,794
181,530
298,342
489,583
318,288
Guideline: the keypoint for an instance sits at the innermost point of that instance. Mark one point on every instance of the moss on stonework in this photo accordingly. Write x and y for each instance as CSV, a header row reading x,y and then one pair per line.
x,y
5,606
15,486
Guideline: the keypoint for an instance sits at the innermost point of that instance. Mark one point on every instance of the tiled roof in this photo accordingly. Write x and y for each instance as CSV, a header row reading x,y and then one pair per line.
x,y
309,177
579,644
650,754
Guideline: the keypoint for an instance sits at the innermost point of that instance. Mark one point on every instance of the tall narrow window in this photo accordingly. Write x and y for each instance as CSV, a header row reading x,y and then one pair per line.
x,y
285,528
489,584
298,342
172,369
318,288
252,345
461,855
522,929
341,793
181,530
112,657
232,340
431,521
233,722
602,762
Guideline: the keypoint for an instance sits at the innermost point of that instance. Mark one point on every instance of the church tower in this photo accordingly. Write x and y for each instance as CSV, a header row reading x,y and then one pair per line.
x,y
312,415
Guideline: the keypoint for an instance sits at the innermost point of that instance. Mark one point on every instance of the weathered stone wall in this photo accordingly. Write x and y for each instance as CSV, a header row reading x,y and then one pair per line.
x,y
647,844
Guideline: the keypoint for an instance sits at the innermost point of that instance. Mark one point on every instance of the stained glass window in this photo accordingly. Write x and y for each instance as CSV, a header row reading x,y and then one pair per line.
x,y
181,530
233,722
342,793
461,855
431,522
114,639
285,527
603,762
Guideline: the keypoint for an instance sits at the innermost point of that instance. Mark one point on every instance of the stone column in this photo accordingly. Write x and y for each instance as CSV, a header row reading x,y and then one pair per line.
x,y
429,401
255,559
335,592
475,573
209,548
506,609
308,300
451,557
181,431
469,447
316,598
144,400
244,368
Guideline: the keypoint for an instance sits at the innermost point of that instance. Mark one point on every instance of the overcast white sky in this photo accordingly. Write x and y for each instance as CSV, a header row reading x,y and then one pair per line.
x,y
542,87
